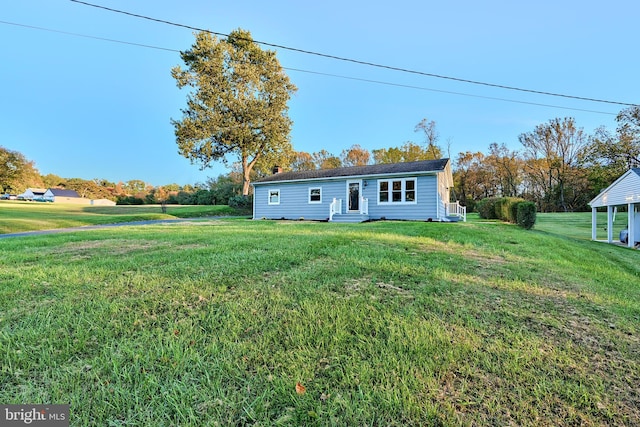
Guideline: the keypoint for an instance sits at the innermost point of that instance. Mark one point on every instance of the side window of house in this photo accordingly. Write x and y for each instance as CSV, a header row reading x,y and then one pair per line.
x,y
401,190
274,197
384,192
410,190
315,195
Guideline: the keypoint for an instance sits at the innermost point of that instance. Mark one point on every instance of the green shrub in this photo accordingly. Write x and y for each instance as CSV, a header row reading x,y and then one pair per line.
x,y
513,211
501,207
241,202
526,216
487,208
507,208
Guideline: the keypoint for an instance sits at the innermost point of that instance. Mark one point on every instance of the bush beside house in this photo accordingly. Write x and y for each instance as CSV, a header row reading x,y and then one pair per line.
x,y
509,209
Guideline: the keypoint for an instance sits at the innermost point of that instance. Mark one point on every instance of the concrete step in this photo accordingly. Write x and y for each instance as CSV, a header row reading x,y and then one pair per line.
x,y
349,218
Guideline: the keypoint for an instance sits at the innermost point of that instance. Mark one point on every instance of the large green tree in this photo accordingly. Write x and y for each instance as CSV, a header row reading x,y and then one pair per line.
x,y
237,103
16,172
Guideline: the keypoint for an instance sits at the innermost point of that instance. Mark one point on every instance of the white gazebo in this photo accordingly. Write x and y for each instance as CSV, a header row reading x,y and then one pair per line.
x,y
625,191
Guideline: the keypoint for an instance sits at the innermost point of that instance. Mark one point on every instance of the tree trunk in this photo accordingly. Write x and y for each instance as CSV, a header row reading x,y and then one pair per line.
x,y
246,178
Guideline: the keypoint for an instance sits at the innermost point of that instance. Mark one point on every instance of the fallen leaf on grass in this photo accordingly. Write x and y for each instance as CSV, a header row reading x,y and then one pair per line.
x,y
300,389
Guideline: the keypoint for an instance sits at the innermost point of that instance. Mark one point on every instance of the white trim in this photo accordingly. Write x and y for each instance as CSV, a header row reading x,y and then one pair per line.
x,y
631,225
273,190
403,191
253,207
314,202
610,224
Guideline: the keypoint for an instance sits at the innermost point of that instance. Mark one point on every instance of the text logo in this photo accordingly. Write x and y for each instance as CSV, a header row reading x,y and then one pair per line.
x,y
34,415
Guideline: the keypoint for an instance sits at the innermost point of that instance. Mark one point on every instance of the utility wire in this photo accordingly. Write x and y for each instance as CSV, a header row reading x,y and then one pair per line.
x,y
318,72
355,61
448,92
88,37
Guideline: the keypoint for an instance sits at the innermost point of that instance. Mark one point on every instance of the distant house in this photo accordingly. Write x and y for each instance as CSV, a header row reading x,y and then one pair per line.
x,y
61,196
32,194
404,191
625,191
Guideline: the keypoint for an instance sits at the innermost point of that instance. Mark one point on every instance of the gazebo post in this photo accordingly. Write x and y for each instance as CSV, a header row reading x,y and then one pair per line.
x,y
631,232
609,223
594,223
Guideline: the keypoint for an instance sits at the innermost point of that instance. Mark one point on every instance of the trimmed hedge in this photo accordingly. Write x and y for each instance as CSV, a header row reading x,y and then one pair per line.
x,y
487,208
509,209
526,217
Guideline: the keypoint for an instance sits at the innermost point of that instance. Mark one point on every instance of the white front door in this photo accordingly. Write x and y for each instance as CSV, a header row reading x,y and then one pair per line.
x,y
353,196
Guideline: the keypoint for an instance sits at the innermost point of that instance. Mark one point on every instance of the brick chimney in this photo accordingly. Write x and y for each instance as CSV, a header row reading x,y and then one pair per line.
x,y
277,170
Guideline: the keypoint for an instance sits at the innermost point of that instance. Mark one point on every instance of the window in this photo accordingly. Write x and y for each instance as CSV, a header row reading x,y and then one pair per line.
x,y
384,192
274,197
400,190
315,195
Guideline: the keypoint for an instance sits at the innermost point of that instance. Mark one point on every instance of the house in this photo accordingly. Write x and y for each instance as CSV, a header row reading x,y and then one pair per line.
x,y
32,194
61,196
625,191
404,191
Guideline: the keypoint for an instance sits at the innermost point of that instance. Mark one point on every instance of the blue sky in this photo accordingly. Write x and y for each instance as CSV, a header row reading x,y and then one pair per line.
x,y
89,108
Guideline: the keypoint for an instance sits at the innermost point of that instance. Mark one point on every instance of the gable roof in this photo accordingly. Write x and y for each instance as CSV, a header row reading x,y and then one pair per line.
x,y
353,171
623,190
63,193
36,191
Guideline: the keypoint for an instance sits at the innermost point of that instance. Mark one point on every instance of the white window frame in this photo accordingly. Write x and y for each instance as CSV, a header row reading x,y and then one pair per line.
x,y
273,190
403,190
314,201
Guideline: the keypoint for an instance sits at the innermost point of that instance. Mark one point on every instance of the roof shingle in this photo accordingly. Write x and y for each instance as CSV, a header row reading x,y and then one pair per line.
x,y
379,169
59,192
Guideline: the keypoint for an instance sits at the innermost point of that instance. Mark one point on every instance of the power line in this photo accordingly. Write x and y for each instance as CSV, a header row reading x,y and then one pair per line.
x,y
355,61
319,73
88,37
449,92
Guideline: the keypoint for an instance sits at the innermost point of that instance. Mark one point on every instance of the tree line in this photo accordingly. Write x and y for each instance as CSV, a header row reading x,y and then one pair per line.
x,y
558,166
17,173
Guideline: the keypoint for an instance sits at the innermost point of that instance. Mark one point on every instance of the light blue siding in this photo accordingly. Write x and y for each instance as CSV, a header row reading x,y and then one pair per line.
x,y
426,205
294,200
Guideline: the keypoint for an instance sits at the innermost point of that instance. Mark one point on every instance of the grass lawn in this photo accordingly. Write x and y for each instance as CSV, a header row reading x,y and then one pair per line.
x,y
577,225
17,217
383,323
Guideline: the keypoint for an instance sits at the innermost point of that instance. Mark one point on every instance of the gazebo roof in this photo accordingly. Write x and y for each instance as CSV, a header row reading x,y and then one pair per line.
x,y
624,190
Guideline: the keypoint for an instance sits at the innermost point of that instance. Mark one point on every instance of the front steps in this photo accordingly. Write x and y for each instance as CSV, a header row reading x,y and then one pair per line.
x,y
350,217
